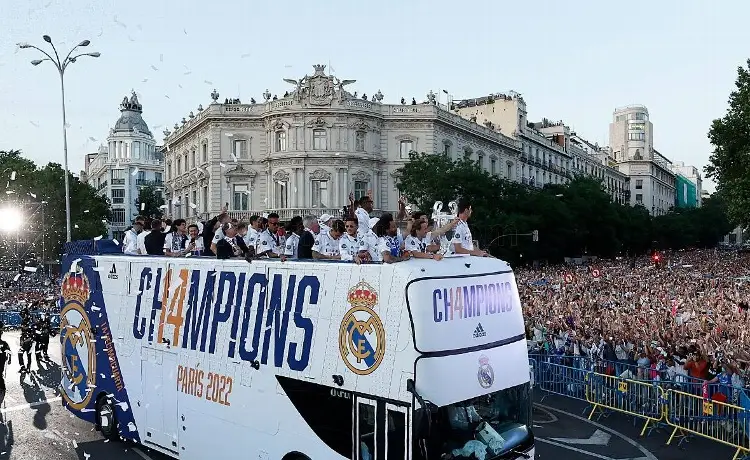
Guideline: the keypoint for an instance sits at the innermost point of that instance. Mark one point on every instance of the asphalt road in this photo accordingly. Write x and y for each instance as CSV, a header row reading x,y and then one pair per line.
x,y
562,431
35,426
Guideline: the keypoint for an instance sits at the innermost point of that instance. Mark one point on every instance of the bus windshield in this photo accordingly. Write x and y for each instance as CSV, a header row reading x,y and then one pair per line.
x,y
492,426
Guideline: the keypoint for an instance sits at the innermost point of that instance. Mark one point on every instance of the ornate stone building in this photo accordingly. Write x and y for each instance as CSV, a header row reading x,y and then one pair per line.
x,y
304,152
130,161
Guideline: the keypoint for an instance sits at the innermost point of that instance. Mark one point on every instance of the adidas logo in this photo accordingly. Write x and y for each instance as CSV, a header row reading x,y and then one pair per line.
x,y
113,273
479,331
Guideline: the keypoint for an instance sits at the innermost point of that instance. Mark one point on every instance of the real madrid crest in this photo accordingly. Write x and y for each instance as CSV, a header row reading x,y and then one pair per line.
x,y
485,374
362,336
78,342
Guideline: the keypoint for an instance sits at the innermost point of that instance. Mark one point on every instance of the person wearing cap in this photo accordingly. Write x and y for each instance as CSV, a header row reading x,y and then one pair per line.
x,y
325,223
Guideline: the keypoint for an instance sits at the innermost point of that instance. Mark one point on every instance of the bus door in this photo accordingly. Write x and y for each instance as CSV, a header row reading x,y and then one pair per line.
x,y
381,430
159,374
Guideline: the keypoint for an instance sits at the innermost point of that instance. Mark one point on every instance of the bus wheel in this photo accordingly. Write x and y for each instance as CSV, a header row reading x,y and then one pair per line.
x,y
106,419
295,456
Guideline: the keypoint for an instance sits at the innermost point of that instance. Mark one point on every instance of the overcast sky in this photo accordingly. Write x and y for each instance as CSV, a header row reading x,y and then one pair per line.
x,y
573,61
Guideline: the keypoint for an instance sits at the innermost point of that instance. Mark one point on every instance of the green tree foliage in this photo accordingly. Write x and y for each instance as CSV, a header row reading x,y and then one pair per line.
x,y
575,219
28,186
149,202
730,161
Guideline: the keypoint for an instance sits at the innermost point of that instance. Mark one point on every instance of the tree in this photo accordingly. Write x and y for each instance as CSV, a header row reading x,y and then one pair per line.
x,y
730,161
31,188
574,219
149,202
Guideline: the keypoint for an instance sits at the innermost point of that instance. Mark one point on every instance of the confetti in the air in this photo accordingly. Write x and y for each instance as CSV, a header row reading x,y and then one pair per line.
x,y
154,67
75,225
246,55
143,206
67,125
97,238
135,172
164,206
92,139
35,124
116,242
120,23
208,82
161,58
145,80
13,175
187,73
228,134
222,165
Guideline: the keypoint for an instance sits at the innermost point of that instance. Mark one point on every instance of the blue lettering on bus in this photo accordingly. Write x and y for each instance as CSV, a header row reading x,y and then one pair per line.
x,y
216,298
462,302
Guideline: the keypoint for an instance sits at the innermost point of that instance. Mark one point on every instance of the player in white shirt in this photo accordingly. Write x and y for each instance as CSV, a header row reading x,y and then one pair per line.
x,y
462,240
253,231
419,243
327,244
141,241
348,243
294,228
375,246
270,244
362,213
130,240
325,222
194,242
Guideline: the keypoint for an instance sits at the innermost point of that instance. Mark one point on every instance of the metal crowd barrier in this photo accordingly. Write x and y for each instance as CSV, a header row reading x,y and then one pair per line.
x,y
715,420
691,407
632,397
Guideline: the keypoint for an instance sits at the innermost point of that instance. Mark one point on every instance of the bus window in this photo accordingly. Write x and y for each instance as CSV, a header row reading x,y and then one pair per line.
x,y
366,429
396,437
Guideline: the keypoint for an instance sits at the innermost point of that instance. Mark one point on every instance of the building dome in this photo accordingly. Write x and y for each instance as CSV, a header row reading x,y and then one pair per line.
x,y
131,119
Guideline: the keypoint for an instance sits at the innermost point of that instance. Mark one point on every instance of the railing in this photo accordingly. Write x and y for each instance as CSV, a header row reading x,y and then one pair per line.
x,y
687,406
144,182
101,186
118,181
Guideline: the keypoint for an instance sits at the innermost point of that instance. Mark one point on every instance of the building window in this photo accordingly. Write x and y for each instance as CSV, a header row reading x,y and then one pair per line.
x,y
158,180
239,148
118,216
179,165
639,198
493,166
118,195
509,172
194,201
193,157
204,152
480,159
118,176
136,149
320,194
639,184
637,136
281,141
241,198
360,189
446,149
281,194
467,153
204,199
405,148
319,139
359,144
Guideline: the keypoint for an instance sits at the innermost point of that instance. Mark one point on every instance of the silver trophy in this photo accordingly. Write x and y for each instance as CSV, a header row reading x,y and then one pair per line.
x,y
441,219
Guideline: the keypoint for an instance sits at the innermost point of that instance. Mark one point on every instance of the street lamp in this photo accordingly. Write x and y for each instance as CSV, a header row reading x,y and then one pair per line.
x,y
61,65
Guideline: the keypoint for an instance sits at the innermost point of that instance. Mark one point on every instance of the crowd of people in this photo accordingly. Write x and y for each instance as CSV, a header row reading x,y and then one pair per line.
x,y
677,317
356,236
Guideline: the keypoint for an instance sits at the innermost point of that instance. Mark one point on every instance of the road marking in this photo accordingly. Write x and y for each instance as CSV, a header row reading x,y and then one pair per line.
x,y
30,405
592,454
142,454
646,454
599,438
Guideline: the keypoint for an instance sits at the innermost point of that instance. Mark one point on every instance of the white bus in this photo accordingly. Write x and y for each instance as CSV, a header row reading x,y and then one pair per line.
x,y
199,358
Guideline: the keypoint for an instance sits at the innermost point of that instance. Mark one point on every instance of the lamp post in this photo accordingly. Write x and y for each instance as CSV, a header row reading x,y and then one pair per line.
x,y
61,65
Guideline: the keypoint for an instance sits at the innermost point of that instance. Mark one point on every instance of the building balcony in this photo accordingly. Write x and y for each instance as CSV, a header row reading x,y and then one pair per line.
x,y
144,182
118,181
102,186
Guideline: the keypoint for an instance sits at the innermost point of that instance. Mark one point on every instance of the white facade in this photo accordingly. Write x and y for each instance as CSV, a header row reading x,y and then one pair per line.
x,y
305,152
542,160
128,162
692,174
631,138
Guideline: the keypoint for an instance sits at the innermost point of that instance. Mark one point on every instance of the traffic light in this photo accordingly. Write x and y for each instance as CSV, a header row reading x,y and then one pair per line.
x,y
535,235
